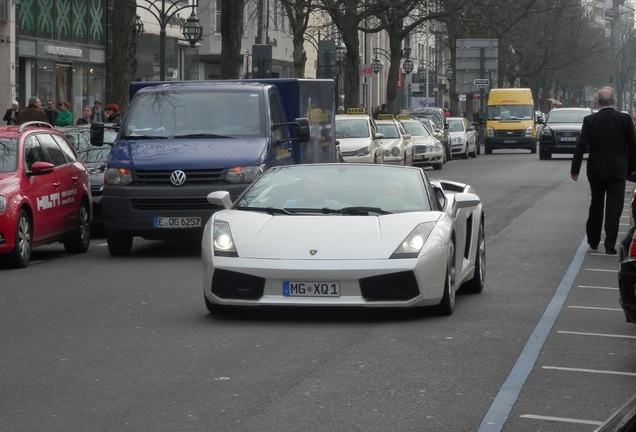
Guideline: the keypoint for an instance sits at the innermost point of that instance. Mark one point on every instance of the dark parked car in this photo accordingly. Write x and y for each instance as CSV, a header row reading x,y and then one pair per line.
x,y
627,269
561,130
94,157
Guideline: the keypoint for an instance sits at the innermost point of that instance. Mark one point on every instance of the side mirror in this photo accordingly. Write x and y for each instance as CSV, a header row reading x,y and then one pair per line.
x,y
97,134
220,199
302,129
407,136
39,168
378,135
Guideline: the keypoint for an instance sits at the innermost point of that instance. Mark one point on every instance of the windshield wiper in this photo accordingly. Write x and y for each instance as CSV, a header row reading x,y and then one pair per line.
x,y
268,210
349,211
144,137
202,135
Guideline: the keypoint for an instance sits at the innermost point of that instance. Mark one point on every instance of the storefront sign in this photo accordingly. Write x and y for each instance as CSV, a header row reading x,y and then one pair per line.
x,y
63,51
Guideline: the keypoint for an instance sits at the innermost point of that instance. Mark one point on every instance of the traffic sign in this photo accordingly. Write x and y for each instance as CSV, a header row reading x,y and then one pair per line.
x,y
481,82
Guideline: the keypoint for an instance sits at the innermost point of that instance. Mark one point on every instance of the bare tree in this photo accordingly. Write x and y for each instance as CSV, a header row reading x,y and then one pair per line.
x,y
124,46
298,12
231,33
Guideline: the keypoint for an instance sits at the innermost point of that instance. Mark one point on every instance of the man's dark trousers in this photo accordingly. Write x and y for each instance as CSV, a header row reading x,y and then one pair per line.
x,y
610,193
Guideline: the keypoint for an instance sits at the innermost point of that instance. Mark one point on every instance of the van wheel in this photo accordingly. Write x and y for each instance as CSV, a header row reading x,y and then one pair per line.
x,y
544,155
487,150
81,238
119,245
21,254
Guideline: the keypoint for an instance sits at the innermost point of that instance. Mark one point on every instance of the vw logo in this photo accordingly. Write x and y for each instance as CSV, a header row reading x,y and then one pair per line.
x,y
177,178
313,252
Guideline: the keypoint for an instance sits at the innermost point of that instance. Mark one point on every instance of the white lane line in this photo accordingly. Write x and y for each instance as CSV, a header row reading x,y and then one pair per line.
x,y
597,334
597,287
595,308
561,419
594,371
602,270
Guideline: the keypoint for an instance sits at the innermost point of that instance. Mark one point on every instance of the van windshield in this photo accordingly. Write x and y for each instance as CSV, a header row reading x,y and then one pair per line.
x,y
195,113
509,112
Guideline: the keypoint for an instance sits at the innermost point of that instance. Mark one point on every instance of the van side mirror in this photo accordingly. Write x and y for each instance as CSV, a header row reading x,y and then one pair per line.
x,y
302,129
97,134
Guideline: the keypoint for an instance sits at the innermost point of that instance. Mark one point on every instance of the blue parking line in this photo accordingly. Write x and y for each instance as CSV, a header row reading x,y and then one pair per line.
x,y
509,392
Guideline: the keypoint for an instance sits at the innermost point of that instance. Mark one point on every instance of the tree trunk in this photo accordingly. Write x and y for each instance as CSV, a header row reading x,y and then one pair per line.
x,y
124,48
231,32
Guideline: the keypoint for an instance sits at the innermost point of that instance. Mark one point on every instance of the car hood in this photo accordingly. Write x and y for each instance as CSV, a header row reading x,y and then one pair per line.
x,y
8,179
390,142
351,144
456,134
259,235
187,153
565,126
424,140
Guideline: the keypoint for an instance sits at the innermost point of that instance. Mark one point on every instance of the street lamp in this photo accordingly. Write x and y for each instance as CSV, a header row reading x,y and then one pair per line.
x,y
341,52
449,74
192,30
407,66
139,26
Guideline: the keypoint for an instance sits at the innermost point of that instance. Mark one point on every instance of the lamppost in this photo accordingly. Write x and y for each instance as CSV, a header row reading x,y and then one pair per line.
x,y
341,52
449,73
191,29
376,65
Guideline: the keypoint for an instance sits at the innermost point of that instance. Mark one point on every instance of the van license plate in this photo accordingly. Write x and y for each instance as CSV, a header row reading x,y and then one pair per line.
x,y
177,222
311,289
510,141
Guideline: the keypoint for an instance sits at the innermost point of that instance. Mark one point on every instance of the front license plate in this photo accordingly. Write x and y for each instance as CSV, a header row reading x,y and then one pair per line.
x,y
177,222
418,156
568,138
311,289
510,141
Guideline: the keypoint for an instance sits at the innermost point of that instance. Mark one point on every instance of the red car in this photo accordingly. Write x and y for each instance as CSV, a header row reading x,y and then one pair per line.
x,y
45,194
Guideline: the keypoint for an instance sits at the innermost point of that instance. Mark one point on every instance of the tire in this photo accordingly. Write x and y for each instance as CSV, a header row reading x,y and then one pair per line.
x,y
81,238
447,305
487,150
478,147
438,167
465,154
215,309
476,284
544,155
473,154
533,150
20,256
119,245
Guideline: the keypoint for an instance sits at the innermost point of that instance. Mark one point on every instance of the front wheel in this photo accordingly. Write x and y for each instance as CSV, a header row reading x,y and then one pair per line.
x,y
21,254
81,238
438,167
476,284
119,245
447,305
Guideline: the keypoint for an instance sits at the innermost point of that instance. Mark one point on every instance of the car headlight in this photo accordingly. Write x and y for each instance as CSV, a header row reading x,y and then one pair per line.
x,y
457,140
414,242
395,151
438,147
3,203
490,132
244,174
222,241
529,130
363,151
117,176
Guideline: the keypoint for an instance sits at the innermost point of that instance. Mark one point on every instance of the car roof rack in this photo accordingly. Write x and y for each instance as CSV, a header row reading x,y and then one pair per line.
x,y
34,124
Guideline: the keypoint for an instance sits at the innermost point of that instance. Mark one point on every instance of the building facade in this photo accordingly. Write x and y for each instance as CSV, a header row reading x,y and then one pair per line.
x,y
62,51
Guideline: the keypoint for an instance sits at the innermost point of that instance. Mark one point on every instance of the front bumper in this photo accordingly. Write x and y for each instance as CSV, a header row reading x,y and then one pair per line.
x,y
510,143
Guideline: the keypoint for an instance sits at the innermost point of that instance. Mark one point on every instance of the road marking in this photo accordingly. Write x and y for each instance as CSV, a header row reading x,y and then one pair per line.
x,y
602,270
505,399
561,419
594,371
598,287
597,334
594,308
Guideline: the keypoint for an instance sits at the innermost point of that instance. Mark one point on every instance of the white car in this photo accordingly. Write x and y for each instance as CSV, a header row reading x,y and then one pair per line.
x,y
397,144
358,137
344,234
463,137
427,150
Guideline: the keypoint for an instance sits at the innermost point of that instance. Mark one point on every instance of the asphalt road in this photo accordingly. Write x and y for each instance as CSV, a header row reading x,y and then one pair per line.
x,y
97,343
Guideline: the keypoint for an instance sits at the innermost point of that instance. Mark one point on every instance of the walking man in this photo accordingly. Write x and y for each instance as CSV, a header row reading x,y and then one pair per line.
x,y
611,138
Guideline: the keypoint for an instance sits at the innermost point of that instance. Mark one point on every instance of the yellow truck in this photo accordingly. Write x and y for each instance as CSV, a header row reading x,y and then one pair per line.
x,y
510,120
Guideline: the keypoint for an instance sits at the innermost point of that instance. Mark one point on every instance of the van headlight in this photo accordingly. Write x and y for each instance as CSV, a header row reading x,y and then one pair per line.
x,y
529,130
244,174
117,176
490,132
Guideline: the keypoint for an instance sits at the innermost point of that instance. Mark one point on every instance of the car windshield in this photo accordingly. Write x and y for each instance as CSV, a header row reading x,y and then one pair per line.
x,y
509,112
352,128
389,130
455,126
8,155
192,113
567,116
348,189
416,128
86,152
